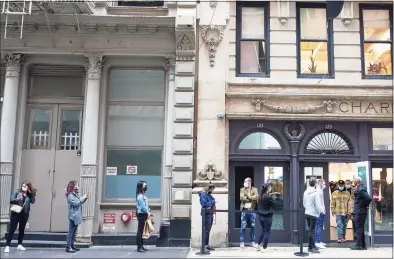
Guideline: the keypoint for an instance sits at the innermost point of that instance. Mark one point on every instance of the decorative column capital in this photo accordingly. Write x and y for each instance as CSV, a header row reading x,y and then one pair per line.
x,y
170,67
12,59
93,66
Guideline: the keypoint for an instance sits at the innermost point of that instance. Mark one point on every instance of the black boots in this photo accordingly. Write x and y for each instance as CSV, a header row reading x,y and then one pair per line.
x,y
76,249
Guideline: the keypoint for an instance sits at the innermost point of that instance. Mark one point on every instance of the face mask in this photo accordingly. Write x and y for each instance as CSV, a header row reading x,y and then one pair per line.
x,y
246,185
348,186
76,188
145,188
340,188
24,188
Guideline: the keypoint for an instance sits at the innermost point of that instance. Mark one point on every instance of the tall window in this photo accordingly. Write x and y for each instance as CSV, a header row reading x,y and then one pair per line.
x,y
314,34
377,41
252,39
135,129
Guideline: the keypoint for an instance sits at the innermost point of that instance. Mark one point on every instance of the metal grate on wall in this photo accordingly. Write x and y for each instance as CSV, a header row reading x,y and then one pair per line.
x,y
57,70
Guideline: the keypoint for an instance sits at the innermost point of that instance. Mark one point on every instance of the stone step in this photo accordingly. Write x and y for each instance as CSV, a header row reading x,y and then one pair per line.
x,y
45,244
42,236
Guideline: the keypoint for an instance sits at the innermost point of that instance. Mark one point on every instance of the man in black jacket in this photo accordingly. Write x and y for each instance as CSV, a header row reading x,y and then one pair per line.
x,y
361,202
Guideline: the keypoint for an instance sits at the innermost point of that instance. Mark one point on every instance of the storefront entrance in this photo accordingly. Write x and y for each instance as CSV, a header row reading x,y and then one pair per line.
x,y
275,173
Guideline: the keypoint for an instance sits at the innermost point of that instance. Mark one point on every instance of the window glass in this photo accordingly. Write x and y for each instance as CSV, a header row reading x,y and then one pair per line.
x,y
135,125
57,86
314,57
136,85
132,166
70,129
252,23
259,140
252,57
40,128
382,138
377,42
274,176
382,182
313,23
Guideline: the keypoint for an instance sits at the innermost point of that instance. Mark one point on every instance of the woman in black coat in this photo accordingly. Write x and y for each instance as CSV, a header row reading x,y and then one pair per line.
x,y
265,212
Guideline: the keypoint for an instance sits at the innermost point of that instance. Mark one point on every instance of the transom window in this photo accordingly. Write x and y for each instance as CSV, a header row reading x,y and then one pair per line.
x,y
148,3
252,38
377,39
329,143
314,45
259,140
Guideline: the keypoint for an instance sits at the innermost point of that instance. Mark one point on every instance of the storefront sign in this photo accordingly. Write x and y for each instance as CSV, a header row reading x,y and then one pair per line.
x,y
109,221
112,170
134,215
131,169
365,107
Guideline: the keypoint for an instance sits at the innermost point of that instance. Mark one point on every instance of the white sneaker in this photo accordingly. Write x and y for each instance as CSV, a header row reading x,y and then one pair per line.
x,y
253,244
258,248
7,249
320,245
323,243
242,245
20,248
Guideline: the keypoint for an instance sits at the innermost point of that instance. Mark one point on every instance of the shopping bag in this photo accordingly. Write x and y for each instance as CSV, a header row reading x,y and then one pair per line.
x,y
148,228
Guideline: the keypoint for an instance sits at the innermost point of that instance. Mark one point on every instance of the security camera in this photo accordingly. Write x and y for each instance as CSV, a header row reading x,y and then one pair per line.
x,y
220,115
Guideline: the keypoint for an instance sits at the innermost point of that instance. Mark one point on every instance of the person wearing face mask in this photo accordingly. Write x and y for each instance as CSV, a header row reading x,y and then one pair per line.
x,y
341,208
22,197
350,189
320,187
249,197
74,203
143,213
207,201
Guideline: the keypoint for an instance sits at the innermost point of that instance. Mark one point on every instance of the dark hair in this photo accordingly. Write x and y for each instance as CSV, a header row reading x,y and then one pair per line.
x,y
30,186
140,188
264,189
70,187
312,182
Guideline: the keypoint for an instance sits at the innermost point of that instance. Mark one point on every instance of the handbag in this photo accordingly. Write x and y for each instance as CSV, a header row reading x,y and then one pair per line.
x,y
16,208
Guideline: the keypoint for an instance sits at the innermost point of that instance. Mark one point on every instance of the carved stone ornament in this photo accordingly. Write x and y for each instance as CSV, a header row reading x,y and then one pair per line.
x,y
132,28
91,27
213,3
294,110
52,27
111,27
210,173
12,59
170,65
93,66
185,47
294,132
212,35
152,28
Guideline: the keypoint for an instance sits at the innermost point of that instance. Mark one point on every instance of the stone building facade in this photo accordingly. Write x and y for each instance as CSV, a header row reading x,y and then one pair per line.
x,y
285,93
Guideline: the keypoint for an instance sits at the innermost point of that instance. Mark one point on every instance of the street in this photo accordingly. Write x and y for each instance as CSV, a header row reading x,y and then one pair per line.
x,y
98,252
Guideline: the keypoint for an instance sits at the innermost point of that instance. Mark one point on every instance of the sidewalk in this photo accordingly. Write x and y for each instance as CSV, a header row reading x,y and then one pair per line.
x,y
288,252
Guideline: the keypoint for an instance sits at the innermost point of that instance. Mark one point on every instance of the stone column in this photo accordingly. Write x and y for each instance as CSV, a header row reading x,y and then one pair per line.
x,y
89,144
8,127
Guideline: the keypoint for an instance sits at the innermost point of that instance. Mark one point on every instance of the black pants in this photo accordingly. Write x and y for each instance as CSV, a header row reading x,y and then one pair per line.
x,y
208,227
142,217
15,219
359,220
311,221
266,224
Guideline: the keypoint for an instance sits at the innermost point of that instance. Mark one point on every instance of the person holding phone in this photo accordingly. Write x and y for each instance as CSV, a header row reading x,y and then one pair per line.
x,y
74,202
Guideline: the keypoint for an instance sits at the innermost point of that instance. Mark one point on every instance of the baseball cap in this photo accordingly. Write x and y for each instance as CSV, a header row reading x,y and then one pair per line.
x,y
341,182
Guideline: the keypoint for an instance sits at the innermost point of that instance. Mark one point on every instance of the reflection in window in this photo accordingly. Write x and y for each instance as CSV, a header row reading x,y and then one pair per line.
x,y
382,138
313,41
274,176
259,140
383,198
377,42
252,42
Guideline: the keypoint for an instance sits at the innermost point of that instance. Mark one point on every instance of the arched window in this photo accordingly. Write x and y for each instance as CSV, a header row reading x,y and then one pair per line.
x,y
329,143
259,140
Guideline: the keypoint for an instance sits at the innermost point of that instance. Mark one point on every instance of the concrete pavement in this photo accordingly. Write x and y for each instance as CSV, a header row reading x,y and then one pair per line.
x,y
288,252
98,252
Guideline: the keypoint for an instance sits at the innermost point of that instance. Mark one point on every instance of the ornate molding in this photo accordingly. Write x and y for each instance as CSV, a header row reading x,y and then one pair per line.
x,y
93,66
210,173
152,28
213,3
212,35
328,104
111,27
185,47
294,132
12,59
91,27
132,28
170,66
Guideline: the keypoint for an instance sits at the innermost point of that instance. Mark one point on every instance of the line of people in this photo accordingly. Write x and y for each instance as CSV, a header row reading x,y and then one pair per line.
x,y
25,196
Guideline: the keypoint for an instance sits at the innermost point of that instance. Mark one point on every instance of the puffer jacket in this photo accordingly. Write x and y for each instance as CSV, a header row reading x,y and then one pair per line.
x,y
361,200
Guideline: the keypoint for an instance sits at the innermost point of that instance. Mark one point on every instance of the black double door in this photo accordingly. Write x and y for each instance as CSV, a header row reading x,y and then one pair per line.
x,y
260,172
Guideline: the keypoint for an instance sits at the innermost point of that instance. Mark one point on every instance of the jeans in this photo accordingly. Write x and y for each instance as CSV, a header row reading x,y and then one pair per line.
x,y
208,227
341,226
16,218
266,224
319,227
72,232
142,217
359,220
311,221
354,227
248,216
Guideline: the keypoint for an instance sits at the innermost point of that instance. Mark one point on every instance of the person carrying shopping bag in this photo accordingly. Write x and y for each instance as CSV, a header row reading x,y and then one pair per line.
x,y
142,214
20,202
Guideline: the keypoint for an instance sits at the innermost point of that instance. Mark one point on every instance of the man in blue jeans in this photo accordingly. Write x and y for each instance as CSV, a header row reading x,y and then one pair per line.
x,y
320,186
249,198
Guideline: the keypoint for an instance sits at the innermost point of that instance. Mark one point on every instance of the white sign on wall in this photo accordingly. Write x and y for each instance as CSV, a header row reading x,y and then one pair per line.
x,y
111,170
131,169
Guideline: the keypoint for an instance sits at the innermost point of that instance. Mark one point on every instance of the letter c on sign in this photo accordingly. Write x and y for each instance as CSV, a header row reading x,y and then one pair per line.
x,y
344,104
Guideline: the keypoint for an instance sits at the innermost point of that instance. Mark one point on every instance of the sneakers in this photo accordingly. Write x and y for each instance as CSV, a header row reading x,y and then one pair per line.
x,y
20,248
313,251
242,244
7,249
320,245
253,244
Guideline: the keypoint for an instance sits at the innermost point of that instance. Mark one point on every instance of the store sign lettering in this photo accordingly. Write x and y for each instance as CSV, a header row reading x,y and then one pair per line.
x,y
359,107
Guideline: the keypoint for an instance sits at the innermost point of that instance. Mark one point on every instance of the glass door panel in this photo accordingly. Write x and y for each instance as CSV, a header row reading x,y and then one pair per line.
x,y
274,176
39,134
70,129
